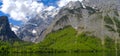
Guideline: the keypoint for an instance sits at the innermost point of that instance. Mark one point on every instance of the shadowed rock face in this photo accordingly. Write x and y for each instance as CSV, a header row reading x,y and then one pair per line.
x,y
6,34
34,27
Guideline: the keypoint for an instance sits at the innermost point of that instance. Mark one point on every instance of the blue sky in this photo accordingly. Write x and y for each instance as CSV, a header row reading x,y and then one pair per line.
x,y
50,2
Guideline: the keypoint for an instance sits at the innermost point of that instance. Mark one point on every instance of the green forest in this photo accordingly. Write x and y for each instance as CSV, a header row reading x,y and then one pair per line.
x,y
64,40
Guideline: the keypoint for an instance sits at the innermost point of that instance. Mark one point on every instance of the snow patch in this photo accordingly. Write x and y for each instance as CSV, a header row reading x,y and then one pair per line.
x,y
34,31
15,29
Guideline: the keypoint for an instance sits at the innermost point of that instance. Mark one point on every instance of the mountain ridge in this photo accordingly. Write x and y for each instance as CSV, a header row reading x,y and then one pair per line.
x,y
85,19
82,16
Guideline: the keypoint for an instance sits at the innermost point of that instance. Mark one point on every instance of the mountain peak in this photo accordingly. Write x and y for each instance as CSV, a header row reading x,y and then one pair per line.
x,y
6,34
74,5
3,19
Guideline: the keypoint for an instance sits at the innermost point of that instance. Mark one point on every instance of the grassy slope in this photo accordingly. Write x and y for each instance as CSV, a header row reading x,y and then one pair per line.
x,y
68,40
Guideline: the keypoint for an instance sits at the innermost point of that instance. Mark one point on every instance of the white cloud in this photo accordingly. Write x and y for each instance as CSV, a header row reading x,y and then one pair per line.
x,y
21,9
15,29
50,8
62,3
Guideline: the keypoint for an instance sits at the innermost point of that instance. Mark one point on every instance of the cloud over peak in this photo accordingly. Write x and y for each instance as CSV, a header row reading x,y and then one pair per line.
x,y
62,3
22,10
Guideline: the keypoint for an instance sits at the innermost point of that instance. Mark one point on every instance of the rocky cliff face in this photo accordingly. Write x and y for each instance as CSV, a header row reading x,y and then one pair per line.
x,y
72,14
102,4
94,17
6,34
87,19
33,28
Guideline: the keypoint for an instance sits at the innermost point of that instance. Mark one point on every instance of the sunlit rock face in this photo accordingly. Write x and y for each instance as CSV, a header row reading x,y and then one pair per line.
x,y
88,16
85,18
6,34
102,4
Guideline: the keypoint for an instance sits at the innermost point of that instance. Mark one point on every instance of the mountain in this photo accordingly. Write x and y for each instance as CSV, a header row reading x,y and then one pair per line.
x,y
101,22
33,28
93,17
77,27
102,4
6,34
